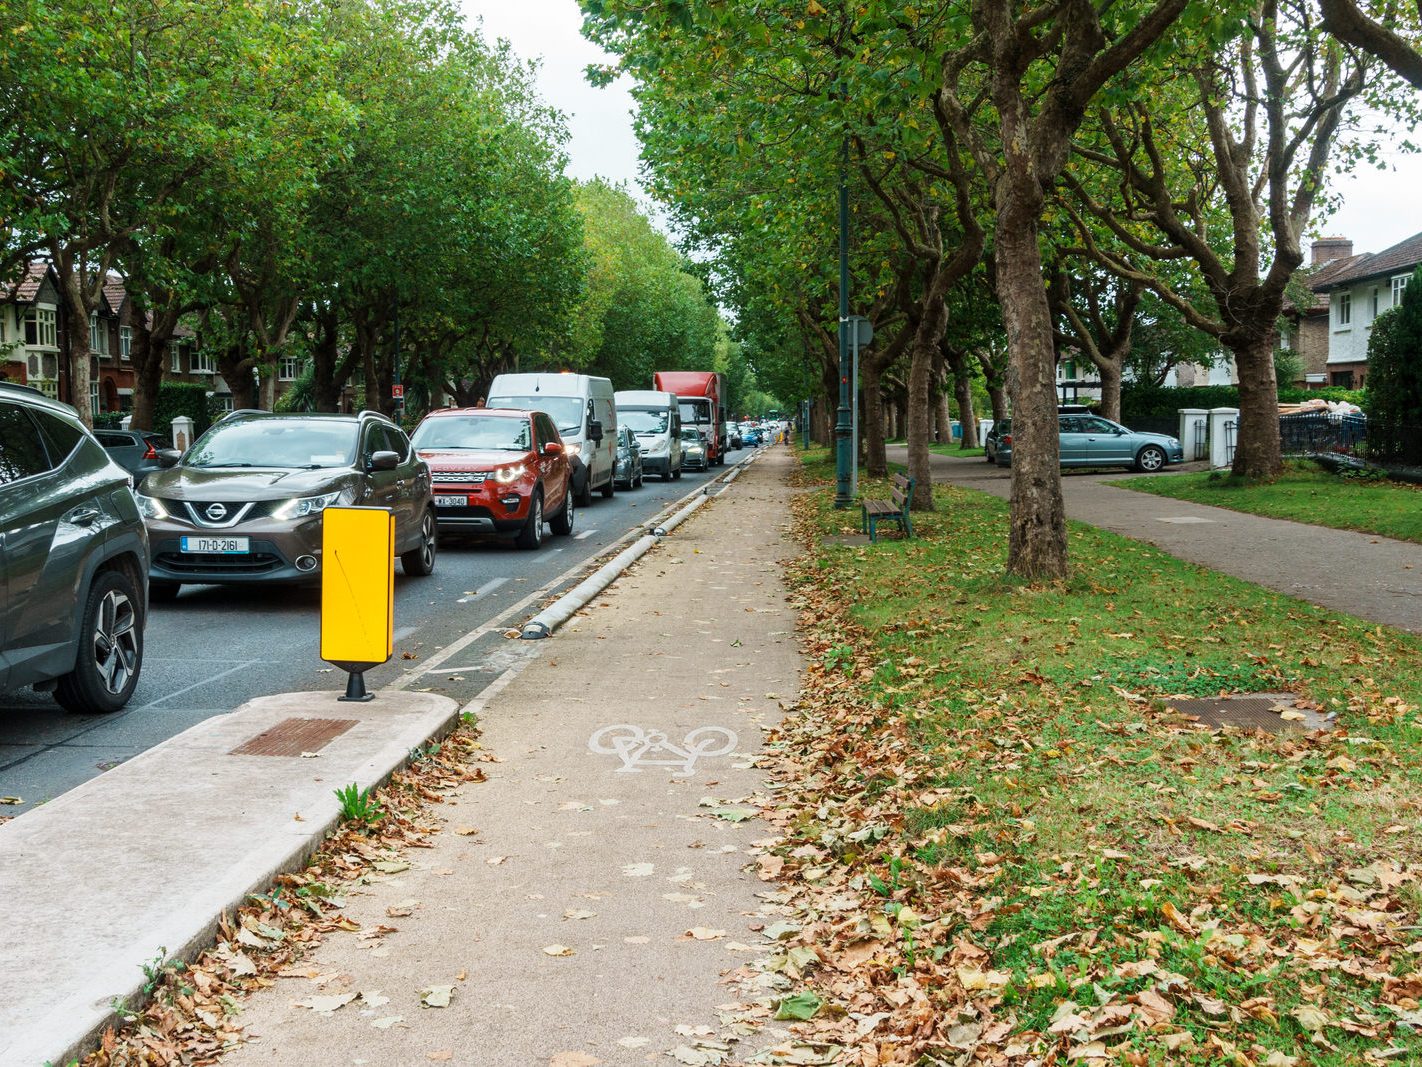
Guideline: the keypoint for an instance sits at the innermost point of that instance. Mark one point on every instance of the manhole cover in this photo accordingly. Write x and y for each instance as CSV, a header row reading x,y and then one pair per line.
x,y
1271,712
292,737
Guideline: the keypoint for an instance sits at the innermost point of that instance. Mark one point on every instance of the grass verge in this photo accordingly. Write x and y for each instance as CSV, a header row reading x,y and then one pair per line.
x,y
1005,844
1304,493
955,450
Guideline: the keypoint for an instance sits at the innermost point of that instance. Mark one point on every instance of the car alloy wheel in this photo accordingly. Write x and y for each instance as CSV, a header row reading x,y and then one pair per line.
x,y
531,536
1150,459
115,644
562,523
420,560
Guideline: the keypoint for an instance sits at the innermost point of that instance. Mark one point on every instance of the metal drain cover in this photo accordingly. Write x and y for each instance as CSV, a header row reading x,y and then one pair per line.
x,y
292,737
1251,711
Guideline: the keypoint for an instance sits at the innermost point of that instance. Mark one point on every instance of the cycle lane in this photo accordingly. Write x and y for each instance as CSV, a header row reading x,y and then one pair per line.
x,y
611,884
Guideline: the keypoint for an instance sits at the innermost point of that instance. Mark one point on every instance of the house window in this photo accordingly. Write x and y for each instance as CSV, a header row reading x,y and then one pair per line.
x,y
40,328
125,342
201,363
1343,379
1345,310
1399,284
175,361
93,398
289,369
1376,294
98,335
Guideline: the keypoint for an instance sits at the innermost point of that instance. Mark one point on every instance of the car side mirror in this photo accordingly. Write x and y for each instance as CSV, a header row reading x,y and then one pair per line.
x,y
168,457
552,448
595,430
383,461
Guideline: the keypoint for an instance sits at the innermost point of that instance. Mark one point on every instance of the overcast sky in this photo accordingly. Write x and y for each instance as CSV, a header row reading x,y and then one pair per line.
x,y
1380,207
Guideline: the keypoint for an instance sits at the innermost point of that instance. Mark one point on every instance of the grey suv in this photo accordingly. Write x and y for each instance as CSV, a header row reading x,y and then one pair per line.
x,y
73,555
244,503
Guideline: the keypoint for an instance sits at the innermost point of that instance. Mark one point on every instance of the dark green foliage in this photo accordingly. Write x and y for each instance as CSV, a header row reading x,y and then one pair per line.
x,y
1394,400
1145,401
182,398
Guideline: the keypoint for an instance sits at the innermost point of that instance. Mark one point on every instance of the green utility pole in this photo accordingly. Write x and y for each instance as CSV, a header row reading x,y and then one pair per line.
x,y
843,426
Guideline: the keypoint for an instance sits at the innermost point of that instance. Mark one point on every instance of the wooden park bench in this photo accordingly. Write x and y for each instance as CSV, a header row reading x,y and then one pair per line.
x,y
895,509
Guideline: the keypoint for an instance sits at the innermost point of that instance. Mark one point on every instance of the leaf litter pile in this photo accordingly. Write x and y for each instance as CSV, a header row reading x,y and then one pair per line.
x,y
193,1016
1000,844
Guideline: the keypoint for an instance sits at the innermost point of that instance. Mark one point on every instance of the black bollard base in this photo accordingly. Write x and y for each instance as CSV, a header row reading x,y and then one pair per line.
x,y
355,689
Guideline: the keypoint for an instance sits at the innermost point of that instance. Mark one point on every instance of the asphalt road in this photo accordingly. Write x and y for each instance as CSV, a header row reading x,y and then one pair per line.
x,y
216,647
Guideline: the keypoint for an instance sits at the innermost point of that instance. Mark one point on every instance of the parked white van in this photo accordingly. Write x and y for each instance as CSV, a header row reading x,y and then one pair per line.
x,y
582,408
656,420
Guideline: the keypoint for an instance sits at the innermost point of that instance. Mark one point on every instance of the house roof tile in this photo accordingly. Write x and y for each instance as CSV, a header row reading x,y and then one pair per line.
x,y
114,292
1400,257
26,288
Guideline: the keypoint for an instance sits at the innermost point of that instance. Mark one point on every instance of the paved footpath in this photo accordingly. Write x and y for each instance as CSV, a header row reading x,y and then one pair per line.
x,y
1373,578
595,909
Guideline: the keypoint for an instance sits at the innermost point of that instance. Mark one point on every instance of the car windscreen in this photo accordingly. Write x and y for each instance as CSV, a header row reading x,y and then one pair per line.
x,y
496,432
690,433
307,444
565,411
644,422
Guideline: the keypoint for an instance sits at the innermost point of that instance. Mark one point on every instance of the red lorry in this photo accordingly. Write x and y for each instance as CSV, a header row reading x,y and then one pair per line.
x,y
702,398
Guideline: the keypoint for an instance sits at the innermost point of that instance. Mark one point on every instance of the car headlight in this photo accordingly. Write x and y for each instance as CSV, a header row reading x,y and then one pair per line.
x,y
150,507
300,507
572,450
506,475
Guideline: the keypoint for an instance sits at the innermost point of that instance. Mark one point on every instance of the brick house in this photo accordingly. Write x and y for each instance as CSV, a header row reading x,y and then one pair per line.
x,y
1357,292
32,329
1305,330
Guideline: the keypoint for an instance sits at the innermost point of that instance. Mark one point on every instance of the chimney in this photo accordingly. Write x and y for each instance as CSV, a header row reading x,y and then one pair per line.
x,y
1327,249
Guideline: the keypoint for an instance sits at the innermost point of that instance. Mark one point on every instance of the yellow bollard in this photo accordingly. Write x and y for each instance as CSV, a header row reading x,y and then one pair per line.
x,y
357,592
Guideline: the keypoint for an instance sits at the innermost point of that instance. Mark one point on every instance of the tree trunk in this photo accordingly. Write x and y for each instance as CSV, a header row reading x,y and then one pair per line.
x,y
76,328
1110,371
876,462
1256,452
326,384
963,387
821,425
150,360
920,417
237,373
1037,542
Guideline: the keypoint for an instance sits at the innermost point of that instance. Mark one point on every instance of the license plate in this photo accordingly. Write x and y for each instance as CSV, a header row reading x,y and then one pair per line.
x,y
451,501
220,546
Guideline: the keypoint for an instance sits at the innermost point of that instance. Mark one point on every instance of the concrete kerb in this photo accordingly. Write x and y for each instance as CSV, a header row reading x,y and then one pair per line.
x,y
565,607
106,961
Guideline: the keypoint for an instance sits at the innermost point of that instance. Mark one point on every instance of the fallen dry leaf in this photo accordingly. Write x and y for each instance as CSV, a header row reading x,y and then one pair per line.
x,y
436,996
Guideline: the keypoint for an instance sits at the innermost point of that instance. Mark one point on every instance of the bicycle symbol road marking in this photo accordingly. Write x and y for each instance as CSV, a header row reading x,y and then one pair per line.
x,y
639,748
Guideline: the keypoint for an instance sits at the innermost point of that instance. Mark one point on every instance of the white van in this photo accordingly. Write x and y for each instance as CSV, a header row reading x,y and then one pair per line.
x,y
656,420
582,408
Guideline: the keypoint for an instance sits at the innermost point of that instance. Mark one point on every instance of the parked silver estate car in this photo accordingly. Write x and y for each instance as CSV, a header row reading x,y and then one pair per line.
x,y
1091,441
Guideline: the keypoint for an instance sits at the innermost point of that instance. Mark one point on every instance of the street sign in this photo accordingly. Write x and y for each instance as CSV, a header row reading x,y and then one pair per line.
x,y
397,391
357,592
861,331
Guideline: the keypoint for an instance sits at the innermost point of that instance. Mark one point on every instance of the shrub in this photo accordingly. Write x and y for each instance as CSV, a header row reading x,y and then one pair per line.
x,y
1394,394
182,398
1140,401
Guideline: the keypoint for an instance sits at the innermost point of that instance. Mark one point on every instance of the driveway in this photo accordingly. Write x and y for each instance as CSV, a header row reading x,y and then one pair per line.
x,y
1374,578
